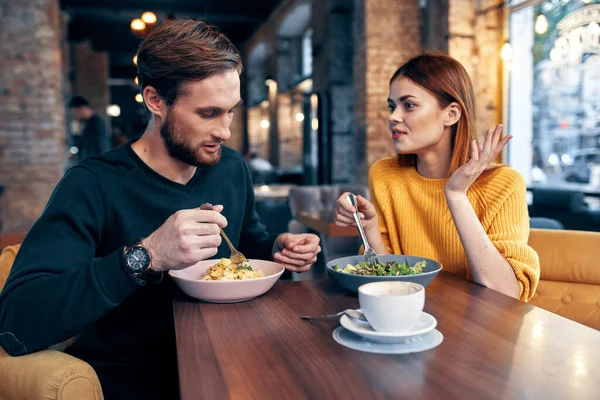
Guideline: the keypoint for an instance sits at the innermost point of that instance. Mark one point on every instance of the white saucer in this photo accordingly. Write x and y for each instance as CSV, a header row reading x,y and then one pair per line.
x,y
425,324
421,343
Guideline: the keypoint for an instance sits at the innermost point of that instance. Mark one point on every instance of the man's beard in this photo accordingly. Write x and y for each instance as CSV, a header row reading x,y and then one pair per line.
x,y
180,150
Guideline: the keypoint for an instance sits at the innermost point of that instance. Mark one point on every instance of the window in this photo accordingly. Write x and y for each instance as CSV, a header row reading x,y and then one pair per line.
x,y
554,91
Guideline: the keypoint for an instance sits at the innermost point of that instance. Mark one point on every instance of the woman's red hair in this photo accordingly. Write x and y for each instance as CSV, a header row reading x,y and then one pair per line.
x,y
449,82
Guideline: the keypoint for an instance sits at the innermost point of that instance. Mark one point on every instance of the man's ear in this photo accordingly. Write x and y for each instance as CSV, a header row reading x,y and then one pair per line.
x,y
154,103
452,114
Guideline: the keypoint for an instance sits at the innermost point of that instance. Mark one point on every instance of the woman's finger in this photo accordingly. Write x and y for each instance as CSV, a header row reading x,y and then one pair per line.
x,y
496,139
474,151
487,144
503,144
343,220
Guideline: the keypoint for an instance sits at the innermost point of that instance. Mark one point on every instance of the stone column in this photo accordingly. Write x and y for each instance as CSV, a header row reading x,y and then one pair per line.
x,y
476,40
32,131
387,34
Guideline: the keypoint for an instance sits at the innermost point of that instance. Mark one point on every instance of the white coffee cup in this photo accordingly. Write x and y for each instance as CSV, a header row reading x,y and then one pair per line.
x,y
392,306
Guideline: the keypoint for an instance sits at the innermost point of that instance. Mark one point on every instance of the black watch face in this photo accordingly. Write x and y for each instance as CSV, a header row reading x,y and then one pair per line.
x,y
138,258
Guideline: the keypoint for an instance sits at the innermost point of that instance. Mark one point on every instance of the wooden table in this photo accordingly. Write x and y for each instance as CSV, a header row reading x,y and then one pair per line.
x,y
494,347
276,193
324,223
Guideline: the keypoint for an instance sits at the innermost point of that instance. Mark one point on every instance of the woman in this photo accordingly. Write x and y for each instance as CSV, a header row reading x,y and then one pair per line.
x,y
442,197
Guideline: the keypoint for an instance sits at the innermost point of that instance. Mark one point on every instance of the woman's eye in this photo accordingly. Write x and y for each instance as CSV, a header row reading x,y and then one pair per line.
x,y
408,105
391,107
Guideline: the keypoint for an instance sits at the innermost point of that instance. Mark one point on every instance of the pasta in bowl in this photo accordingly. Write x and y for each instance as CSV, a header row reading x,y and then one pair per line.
x,y
221,281
225,270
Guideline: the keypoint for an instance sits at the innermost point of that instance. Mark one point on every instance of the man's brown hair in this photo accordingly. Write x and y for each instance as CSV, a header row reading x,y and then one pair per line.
x,y
177,51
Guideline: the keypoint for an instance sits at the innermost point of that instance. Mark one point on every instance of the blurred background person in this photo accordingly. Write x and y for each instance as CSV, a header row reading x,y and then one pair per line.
x,y
94,139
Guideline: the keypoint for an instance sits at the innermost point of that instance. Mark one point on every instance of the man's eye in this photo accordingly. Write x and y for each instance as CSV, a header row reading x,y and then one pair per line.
x,y
208,113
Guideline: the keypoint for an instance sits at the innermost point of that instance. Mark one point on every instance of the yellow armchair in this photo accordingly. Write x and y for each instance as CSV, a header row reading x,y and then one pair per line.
x,y
570,274
47,374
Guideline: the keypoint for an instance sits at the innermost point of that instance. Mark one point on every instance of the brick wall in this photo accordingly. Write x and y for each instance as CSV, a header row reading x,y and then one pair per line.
x,y
476,41
387,33
32,128
90,76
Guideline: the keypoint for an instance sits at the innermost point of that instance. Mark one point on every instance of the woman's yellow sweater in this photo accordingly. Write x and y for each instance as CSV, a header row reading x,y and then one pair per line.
x,y
414,218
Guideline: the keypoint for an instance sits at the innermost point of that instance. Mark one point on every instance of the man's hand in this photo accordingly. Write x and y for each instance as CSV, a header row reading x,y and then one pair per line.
x,y
299,251
186,237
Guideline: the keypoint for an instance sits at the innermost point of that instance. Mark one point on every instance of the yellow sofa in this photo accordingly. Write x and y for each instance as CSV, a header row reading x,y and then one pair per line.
x,y
570,274
45,375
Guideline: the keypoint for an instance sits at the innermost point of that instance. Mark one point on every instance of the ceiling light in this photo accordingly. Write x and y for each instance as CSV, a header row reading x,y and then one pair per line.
x,y
149,17
137,25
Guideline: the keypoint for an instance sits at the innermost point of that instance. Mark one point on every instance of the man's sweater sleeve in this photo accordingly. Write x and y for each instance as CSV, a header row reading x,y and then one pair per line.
x,y
57,286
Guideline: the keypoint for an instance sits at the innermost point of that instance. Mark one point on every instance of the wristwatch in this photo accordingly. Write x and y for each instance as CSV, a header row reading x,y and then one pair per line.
x,y
138,262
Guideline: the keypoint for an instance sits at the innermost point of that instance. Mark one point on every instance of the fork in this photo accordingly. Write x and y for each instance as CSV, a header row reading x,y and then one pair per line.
x,y
370,254
236,257
351,313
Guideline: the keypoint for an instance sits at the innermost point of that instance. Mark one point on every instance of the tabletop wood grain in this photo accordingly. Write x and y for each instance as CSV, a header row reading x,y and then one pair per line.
x,y
494,347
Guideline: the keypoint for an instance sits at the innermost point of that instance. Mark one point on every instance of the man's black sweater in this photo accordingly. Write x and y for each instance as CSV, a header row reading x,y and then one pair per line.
x,y
69,280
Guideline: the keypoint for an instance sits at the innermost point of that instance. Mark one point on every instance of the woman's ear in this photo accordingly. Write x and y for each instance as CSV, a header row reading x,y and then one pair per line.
x,y
154,103
452,114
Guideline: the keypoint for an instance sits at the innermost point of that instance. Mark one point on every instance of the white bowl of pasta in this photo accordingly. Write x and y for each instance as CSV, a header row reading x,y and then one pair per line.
x,y
219,281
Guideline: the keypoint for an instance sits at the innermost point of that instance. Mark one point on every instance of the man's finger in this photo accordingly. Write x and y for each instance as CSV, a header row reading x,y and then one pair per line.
x,y
307,248
298,256
288,260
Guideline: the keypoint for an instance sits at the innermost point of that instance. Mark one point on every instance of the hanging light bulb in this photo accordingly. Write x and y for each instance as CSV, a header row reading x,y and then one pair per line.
x,y
135,59
136,80
299,117
506,52
264,124
139,98
149,17
541,24
594,28
137,25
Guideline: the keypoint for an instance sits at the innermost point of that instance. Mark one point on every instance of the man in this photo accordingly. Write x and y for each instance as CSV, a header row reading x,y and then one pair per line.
x,y
94,265
93,140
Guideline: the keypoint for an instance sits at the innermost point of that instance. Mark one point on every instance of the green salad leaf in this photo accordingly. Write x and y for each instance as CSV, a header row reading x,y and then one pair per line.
x,y
390,268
